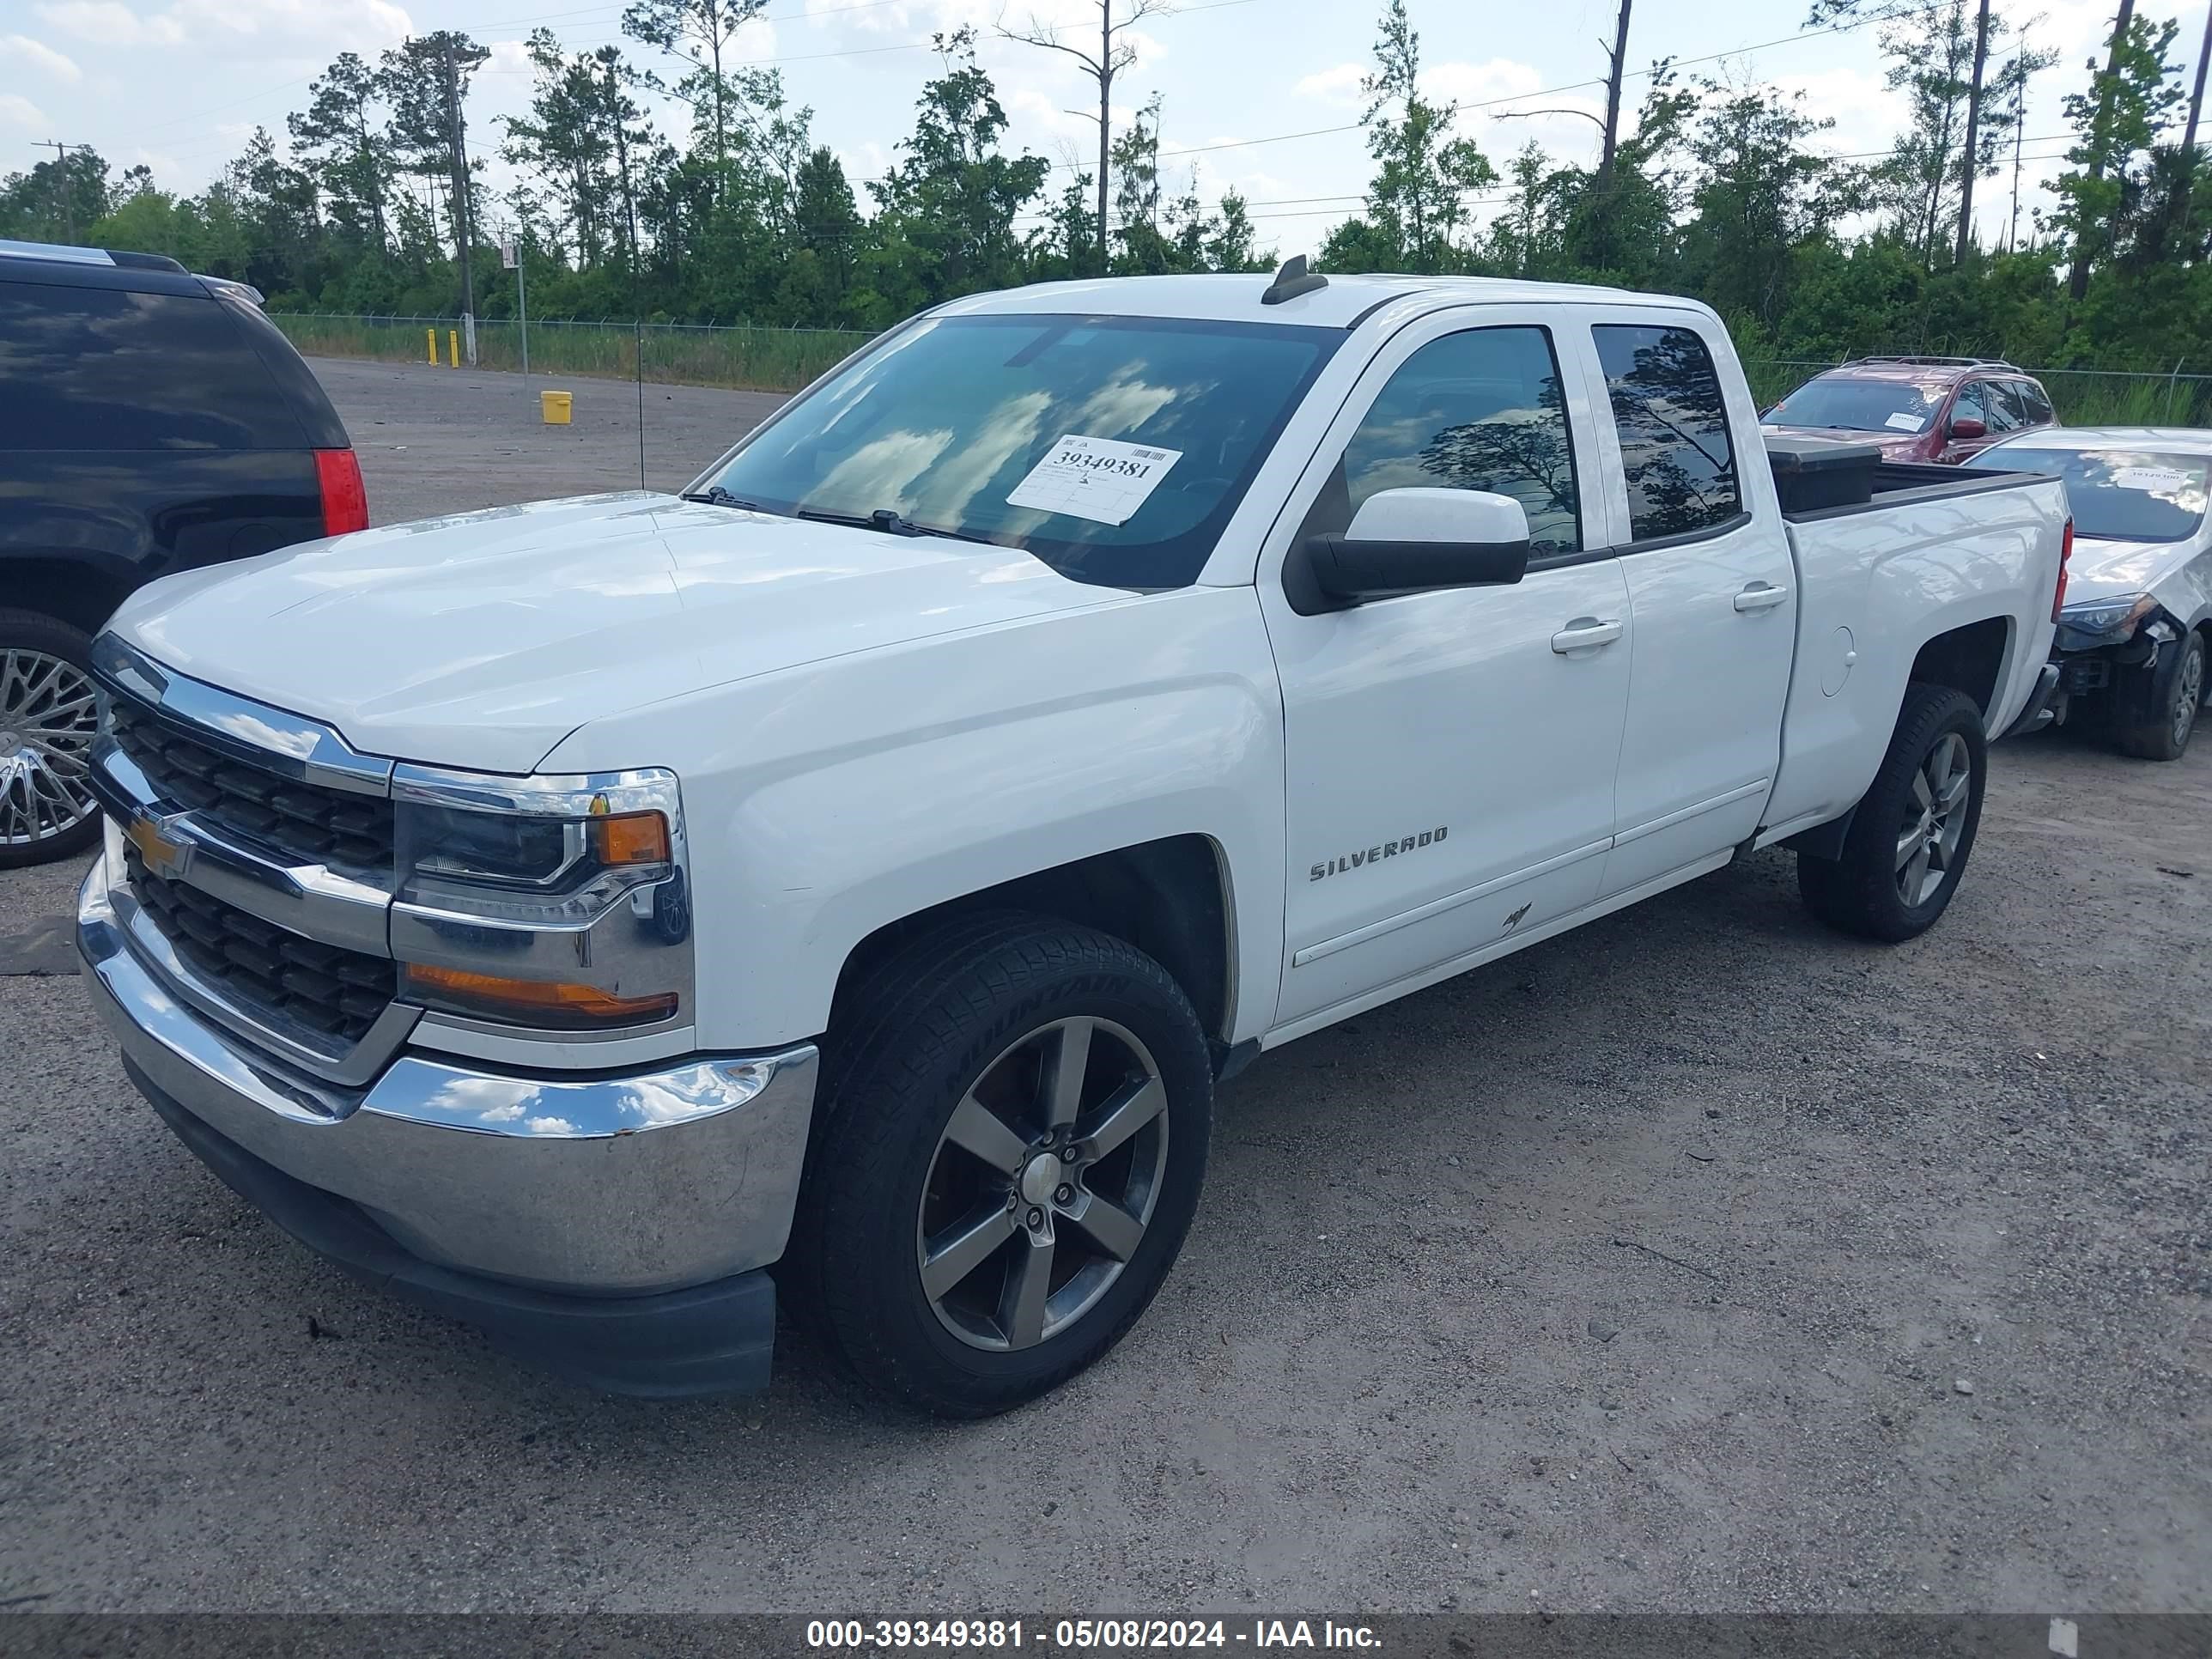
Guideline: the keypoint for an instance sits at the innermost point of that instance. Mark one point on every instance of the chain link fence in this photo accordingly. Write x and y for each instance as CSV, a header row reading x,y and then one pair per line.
x,y
756,358
681,354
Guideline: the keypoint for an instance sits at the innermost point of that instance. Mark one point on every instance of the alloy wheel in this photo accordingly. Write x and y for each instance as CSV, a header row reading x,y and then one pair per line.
x,y
48,717
2188,693
1935,820
1042,1184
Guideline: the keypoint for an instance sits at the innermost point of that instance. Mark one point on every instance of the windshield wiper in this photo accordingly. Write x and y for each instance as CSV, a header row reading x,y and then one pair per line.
x,y
892,522
715,495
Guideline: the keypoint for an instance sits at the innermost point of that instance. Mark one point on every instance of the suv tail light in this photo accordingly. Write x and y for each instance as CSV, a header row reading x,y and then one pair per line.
x,y
2065,558
345,501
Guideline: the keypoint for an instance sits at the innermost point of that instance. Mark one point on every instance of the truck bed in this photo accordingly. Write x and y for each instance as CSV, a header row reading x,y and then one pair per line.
x,y
1909,552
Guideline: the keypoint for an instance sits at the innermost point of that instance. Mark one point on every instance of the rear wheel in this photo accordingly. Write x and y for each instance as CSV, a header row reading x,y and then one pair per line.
x,y
1914,828
1014,1135
48,719
2176,693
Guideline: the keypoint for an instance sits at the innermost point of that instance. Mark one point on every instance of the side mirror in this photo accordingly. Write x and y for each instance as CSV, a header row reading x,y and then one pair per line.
x,y
1402,540
1970,428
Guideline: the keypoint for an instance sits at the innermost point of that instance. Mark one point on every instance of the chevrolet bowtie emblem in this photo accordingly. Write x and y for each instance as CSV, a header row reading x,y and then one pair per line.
x,y
163,857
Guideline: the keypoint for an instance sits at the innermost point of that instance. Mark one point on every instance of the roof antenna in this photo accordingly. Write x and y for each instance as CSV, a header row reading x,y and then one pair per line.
x,y
1292,280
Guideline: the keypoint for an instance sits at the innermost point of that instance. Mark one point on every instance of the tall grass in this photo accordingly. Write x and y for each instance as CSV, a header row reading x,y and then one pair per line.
x,y
760,359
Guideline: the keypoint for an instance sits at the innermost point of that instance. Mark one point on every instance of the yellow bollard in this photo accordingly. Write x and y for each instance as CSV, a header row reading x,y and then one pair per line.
x,y
431,335
554,407
454,347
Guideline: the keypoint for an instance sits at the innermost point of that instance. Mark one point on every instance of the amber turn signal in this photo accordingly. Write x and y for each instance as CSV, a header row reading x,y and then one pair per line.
x,y
535,1001
631,838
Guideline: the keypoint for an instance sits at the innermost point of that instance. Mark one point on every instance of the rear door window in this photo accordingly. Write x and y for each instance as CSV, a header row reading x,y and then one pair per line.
x,y
2035,408
2004,404
1670,410
107,369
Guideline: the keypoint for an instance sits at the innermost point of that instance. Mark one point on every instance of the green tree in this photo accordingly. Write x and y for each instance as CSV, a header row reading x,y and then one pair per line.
x,y
1417,205
1759,194
2115,122
340,137
952,198
425,82
699,33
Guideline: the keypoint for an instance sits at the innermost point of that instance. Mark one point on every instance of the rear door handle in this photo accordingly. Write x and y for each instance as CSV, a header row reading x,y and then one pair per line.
x,y
1585,634
1760,596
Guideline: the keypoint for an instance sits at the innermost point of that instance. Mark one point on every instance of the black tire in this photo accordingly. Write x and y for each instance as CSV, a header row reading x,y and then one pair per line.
x,y
29,631
1863,891
2177,692
908,1042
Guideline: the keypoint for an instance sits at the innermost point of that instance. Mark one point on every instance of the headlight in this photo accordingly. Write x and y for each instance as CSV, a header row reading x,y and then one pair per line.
x,y
549,903
547,869
2106,621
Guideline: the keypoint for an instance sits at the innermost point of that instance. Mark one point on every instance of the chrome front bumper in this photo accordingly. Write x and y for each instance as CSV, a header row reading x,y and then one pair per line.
x,y
608,1186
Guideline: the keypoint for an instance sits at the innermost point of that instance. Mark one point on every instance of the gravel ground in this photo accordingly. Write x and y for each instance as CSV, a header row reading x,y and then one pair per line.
x,y
1698,1260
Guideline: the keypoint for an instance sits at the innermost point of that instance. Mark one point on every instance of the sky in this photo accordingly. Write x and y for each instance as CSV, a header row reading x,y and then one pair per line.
x,y
1261,96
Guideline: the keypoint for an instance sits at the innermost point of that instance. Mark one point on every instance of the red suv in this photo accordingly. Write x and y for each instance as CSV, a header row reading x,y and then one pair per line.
x,y
1918,409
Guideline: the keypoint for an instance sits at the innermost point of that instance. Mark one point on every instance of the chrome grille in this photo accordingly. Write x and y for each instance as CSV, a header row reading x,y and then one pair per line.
x,y
336,992
312,823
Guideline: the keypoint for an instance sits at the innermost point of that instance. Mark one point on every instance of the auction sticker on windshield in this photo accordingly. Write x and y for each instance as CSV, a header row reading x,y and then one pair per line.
x,y
1905,422
2150,477
1101,479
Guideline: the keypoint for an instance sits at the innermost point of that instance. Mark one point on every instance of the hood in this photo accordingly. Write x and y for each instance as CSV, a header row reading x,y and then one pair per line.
x,y
2101,569
481,639
1894,445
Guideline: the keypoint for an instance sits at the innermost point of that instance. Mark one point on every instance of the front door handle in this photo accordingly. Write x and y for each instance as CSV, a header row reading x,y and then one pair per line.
x,y
1585,634
1760,596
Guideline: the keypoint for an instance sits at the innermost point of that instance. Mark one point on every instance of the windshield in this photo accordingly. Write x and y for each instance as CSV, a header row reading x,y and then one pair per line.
x,y
1895,406
1114,449
2120,495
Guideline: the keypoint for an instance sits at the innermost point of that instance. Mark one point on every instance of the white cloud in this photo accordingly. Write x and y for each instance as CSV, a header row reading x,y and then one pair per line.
x,y
18,110
109,23
1866,113
317,26
1338,87
43,59
1470,84
753,41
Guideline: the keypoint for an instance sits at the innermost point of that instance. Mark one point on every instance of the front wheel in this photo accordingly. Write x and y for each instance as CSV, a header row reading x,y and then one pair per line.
x,y
1016,1113
48,719
1914,829
2165,735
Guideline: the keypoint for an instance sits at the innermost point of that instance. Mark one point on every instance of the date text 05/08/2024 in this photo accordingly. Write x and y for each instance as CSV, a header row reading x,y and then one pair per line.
x,y
1086,1634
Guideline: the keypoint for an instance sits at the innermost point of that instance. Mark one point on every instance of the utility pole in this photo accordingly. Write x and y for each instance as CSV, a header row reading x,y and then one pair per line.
x,y
68,206
1111,60
464,210
2189,142
2077,278
1973,158
1618,57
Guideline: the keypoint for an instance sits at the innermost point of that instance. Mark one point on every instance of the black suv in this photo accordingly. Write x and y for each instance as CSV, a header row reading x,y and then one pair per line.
x,y
150,421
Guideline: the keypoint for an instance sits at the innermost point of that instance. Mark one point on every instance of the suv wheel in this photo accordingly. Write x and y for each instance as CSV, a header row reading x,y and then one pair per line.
x,y
1013,1139
1914,829
48,719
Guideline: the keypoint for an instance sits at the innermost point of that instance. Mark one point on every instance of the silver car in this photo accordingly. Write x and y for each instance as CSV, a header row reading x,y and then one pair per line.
x,y
2135,626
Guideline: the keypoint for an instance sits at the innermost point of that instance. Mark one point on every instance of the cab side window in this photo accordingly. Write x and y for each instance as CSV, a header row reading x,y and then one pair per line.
x,y
2003,402
1483,409
1972,404
1672,417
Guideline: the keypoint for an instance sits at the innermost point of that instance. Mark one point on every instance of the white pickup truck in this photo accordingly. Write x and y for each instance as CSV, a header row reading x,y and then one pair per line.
x,y
862,869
